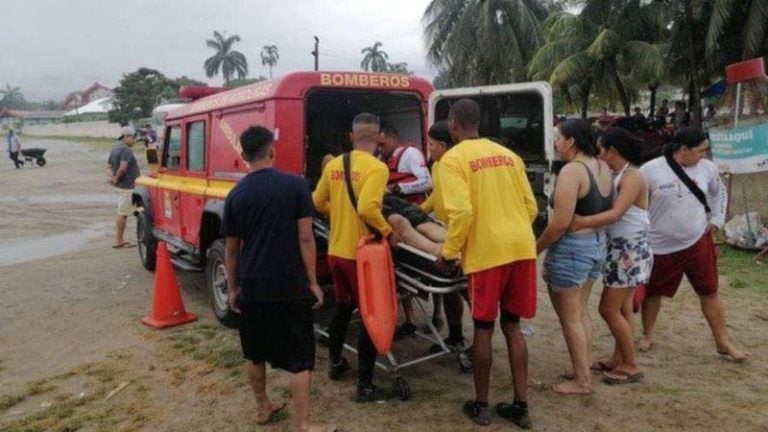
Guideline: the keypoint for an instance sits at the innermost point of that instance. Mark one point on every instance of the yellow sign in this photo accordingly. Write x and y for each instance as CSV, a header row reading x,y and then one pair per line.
x,y
364,80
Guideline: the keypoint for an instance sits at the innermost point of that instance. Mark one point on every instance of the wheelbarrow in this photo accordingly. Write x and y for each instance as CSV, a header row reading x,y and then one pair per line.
x,y
34,155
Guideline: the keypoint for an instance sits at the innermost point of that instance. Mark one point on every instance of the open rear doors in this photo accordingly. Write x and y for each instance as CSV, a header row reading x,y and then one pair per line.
x,y
519,117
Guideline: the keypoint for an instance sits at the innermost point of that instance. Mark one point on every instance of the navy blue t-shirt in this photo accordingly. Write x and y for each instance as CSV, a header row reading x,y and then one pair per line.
x,y
262,210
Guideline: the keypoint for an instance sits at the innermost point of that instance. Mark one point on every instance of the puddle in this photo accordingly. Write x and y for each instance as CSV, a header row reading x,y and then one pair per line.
x,y
103,198
19,251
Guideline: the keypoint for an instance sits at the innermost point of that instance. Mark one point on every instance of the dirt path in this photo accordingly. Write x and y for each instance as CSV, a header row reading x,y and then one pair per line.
x,y
70,336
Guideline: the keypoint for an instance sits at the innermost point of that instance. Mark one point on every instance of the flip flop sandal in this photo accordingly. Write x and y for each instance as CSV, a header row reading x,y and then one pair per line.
x,y
628,379
600,366
123,245
265,418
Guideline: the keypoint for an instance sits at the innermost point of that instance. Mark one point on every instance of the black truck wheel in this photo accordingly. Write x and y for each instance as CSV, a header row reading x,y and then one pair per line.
x,y
147,241
216,284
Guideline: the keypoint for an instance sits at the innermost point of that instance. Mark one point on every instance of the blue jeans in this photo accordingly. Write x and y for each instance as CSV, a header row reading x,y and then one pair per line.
x,y
573,259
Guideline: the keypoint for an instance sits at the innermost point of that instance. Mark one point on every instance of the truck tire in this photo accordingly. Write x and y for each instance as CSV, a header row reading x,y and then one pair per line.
x,y
216,284
146,241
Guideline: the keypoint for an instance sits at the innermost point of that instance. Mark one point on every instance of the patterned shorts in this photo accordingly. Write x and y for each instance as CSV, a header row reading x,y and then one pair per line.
x,y
628,262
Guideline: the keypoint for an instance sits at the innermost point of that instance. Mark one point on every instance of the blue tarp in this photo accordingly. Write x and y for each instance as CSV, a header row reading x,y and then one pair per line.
x,y
715,90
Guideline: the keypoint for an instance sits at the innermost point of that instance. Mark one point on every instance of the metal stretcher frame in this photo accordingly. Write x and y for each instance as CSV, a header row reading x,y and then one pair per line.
x,y
412,281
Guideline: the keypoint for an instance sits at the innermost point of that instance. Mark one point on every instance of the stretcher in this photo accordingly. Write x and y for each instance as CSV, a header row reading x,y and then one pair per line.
x,y
416,277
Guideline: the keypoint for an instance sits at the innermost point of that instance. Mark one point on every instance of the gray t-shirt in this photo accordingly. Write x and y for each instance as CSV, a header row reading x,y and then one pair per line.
x,y
121,152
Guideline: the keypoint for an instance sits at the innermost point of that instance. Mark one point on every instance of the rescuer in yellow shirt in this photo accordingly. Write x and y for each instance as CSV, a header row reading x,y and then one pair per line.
x,y
490,208
369,177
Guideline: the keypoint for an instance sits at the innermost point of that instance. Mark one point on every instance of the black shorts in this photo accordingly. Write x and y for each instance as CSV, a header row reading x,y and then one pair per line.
x,y
280,333
395,205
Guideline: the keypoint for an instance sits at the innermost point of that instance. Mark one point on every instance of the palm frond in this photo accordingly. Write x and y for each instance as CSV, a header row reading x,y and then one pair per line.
x,y
755,28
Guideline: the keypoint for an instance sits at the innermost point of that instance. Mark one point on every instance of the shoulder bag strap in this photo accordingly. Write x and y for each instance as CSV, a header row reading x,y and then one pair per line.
x,y
347,159
689,183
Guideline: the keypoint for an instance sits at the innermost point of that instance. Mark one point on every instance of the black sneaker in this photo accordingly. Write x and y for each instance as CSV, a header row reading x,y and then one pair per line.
x,y
336,372
406,329
370,393
516,413
477,412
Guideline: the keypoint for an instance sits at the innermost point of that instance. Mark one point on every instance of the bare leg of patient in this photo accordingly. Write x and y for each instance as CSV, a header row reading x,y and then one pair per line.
x,y
412,237
433,231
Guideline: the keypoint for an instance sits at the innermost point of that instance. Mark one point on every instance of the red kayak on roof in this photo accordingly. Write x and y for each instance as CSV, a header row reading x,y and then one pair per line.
x,y
378,298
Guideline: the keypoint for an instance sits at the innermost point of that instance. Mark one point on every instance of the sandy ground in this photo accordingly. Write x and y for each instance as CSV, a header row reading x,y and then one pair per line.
x,y
74,355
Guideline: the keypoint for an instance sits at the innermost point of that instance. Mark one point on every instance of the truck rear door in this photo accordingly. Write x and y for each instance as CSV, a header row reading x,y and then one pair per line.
x,y
518,116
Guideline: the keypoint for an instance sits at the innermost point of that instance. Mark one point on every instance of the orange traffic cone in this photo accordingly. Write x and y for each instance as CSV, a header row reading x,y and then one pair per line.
x,y
167,306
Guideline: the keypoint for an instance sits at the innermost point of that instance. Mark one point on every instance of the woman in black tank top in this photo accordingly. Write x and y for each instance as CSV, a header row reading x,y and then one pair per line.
x,y
575,259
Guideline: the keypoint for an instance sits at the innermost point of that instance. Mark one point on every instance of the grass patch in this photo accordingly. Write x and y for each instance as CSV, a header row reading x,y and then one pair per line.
x,y
208,344
40,387
8,401
741,270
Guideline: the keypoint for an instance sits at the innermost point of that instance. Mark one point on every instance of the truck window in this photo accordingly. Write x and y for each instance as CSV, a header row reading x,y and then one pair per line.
x,y
196,146
173,146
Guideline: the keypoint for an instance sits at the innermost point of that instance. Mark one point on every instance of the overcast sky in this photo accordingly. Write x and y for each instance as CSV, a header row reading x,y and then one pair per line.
x,y
52,47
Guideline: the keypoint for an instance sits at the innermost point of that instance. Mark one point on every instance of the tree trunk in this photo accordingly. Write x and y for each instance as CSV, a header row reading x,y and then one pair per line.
x,y
653,89
694,63
625,102
586,87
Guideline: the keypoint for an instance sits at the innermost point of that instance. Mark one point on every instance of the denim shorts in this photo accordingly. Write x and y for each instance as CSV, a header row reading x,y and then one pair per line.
x,y
573,259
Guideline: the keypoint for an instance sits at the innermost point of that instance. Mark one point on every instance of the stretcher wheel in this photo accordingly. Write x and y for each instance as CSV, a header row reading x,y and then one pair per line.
x,y
401,389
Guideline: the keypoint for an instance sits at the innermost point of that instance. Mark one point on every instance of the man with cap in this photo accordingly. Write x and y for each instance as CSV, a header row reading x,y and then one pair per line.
x,y
122,172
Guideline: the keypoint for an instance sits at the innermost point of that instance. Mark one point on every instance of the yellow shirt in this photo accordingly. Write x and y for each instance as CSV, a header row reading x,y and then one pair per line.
x,y
434,204
369,182
489,203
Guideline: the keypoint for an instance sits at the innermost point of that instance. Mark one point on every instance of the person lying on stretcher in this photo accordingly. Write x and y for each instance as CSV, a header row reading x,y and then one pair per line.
x,y
413,225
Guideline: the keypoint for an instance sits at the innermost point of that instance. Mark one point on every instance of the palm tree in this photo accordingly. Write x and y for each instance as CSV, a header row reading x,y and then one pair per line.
x,y
374,58
12,98
747,19
483,41
229,61
398,68
269,56
607,50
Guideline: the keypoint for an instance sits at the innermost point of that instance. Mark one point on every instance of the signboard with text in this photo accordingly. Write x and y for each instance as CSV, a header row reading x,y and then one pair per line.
x,y
740,150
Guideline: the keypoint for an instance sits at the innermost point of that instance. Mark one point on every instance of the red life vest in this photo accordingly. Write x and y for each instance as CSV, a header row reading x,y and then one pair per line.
x,y
396,177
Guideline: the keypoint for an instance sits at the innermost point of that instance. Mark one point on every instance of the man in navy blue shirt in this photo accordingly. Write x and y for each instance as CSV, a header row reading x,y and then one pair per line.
x,y
270,264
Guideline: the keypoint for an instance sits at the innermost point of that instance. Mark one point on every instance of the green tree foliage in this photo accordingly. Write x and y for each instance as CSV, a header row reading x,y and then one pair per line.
x,y
484,41
230,62
138,93
610,49
12,98
269,57
374,58
398,68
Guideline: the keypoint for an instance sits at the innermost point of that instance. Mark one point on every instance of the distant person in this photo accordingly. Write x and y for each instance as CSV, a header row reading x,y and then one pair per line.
x,y
681,116
682,228
663,111
150,133
711,113
271,281
122,172
638,114
14,148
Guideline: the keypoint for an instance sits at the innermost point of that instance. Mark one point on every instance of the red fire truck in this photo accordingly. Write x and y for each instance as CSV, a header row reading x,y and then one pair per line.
x,y
310,113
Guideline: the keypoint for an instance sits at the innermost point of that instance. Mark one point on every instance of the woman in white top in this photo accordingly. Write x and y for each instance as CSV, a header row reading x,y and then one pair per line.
x,y
629,259
682,225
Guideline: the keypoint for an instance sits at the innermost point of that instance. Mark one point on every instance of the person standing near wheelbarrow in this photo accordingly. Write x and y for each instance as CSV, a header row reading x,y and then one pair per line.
x,y
122,172
14,148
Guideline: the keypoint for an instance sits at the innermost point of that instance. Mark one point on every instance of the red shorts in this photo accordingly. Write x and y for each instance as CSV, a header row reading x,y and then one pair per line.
x,y
344,275
698,262
509,287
